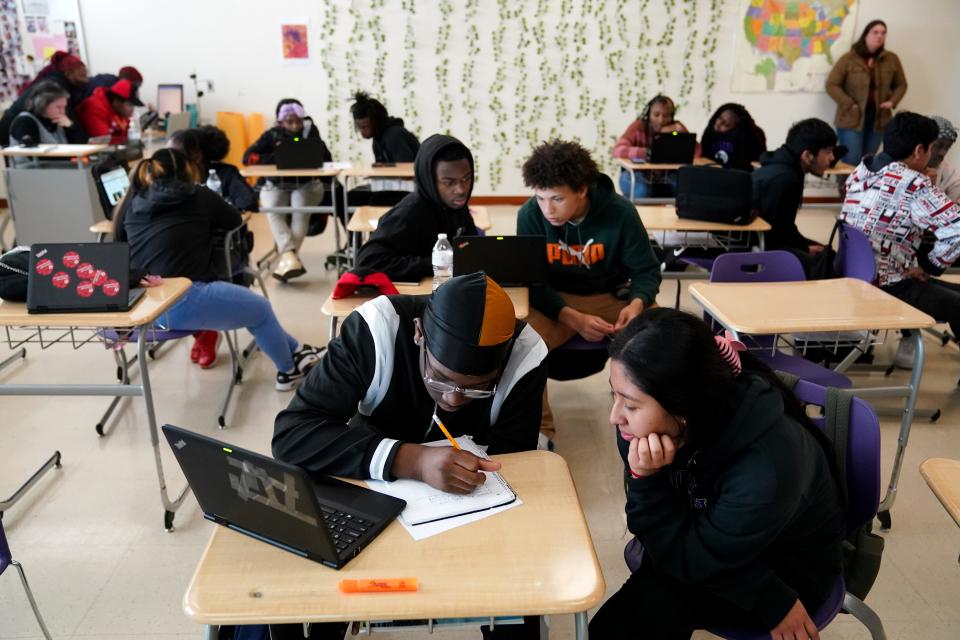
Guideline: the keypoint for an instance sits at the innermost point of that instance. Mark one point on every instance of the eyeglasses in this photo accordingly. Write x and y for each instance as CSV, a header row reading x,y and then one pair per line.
x,y
446,387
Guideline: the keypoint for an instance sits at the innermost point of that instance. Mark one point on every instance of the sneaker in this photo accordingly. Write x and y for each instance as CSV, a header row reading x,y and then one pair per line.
x,y
304,359
209,342
905,352
544,443
195,349
289,267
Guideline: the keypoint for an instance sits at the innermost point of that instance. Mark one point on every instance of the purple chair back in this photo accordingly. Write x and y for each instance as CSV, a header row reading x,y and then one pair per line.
x,y
855,258
5,556
762,266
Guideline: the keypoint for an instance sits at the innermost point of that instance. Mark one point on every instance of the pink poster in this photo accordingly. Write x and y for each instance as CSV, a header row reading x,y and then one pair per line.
x,y
294,41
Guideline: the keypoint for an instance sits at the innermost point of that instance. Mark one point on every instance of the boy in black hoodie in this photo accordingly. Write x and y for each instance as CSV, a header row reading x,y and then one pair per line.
x,y
391,140
778,183
401,246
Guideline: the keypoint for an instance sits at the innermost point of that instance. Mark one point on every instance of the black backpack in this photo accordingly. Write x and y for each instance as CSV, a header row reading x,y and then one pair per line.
x,y
713,194
14,265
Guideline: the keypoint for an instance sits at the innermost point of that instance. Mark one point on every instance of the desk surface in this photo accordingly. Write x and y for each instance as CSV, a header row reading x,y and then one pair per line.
x,y
664,218
55,150
271,171
364,219
103,226
654,166
520,296
943,477
400,170
496,566
841,169
154,302
841,304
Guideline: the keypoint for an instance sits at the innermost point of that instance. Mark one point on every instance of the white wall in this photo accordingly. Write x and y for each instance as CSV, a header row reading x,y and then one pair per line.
x,y
236,45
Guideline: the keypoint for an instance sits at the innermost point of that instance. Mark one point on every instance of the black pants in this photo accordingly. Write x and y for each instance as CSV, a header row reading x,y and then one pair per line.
x,y
652,606
935,297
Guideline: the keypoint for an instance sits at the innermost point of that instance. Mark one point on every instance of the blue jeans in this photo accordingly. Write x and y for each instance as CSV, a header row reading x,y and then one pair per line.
x,y
645,188
860,142
219,306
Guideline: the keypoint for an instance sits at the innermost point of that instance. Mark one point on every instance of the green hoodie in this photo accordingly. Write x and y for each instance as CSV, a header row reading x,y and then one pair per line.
x,y
615,247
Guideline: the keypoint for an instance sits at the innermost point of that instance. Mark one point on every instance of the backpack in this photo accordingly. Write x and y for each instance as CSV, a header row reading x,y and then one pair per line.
x,y
13,274
862,549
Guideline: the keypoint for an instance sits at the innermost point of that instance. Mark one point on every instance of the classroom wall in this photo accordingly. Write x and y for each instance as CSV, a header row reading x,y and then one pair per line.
x,y
237,46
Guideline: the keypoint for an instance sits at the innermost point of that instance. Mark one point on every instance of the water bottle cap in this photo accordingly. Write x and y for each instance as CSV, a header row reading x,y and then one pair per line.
x,y
441,236
212,172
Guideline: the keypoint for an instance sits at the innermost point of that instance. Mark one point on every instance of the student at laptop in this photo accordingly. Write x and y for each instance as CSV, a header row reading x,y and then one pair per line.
x,y
778,183
730,491
732,138
596,245
402,244
107,111
169,221
64,69
634,144
288,230
459,354
44,118
206,147
892,201
391,140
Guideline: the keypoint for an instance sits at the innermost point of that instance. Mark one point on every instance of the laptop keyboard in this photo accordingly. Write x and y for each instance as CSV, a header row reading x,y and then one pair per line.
x,y
345,528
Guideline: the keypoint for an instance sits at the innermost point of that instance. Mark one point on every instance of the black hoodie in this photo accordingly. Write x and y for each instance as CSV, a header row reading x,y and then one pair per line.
x,y
402,245
170,229
777,195
393,143
754,517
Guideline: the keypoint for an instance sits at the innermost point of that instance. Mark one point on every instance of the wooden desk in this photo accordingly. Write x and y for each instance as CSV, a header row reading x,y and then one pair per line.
x,y
632,166
664,218
841,304
402,170
841,169
509,569
103,229
155,301
943,478
55,151
271,171
364,219
336,309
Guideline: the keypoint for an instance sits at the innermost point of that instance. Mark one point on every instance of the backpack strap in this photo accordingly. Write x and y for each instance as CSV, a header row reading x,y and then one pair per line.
x,y
788,379
837,429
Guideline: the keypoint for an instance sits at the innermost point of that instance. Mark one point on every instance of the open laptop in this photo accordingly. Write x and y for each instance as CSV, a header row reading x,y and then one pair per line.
x,y
511,261
303,154
112,184
78,277
673,148
313,516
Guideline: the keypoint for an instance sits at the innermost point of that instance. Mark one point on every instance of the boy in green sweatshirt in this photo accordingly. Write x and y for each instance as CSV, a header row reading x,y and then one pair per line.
x,y
596,245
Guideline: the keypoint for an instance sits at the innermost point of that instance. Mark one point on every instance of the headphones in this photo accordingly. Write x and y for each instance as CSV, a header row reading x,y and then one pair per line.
x,y
657,98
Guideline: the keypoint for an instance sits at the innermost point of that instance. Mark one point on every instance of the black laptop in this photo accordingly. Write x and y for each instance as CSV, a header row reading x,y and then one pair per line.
x,y
674,147
311,515
511,261
78,277
305,153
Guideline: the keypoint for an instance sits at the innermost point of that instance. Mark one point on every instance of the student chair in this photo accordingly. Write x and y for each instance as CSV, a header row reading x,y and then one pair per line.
x,y
773,266
577,358
6,560
855,255
232,124
6,503
863,499
255,126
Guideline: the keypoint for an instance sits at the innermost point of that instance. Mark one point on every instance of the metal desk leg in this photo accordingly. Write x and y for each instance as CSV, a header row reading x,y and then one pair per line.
x,y
762,241
905,423
170,506
580,622
53,461
211,631
16,355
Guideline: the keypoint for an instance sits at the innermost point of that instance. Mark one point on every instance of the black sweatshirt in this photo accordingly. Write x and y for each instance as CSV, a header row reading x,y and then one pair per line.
x,y
754,518
402,244
366,397
393,143
170,229
235,189
777,195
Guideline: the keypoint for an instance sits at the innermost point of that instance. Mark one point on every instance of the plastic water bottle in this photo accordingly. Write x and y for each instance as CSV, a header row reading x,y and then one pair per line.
x,y
213,182
442,260
133,130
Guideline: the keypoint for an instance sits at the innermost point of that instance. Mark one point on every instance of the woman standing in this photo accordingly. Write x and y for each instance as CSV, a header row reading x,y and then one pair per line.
x,y
867,83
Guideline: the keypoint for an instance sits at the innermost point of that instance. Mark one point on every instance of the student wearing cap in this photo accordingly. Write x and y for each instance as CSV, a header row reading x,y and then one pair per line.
x,y
107,111
948,177
402,244
107,80
368,405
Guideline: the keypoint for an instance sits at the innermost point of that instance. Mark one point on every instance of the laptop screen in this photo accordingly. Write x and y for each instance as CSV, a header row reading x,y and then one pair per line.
x,y
169,98
114,183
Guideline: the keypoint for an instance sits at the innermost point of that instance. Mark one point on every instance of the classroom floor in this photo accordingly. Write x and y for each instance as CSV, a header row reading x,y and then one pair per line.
x,y
101,566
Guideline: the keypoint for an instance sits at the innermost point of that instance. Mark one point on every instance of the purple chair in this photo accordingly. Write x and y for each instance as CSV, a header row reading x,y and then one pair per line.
x,y
6,560
773,266
855,255
577,358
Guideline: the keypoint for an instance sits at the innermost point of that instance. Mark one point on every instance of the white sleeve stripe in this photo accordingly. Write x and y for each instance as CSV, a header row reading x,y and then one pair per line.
x,y
380,458
528,352
383,322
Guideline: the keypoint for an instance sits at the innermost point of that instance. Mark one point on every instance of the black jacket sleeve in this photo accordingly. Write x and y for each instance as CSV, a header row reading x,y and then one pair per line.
x,y
223,215
313,432
518,424
261,151
779,199
399,145
236,189
394,249
719,547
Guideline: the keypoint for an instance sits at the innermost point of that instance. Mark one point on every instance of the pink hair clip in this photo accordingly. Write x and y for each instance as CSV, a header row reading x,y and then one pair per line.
x,y
729,346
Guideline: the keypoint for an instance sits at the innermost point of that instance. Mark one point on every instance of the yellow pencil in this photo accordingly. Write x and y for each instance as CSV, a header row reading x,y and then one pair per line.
x,y
445,432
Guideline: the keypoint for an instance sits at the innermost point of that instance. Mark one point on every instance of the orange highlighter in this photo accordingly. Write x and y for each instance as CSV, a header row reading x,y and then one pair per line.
x,y
385,585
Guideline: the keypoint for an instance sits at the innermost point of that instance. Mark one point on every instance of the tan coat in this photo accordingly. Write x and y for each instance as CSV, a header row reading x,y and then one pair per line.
x,y
849,84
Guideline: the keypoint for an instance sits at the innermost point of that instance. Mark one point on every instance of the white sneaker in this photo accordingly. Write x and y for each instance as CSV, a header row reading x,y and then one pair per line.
x,y
304,359
289,267
905,353
544,443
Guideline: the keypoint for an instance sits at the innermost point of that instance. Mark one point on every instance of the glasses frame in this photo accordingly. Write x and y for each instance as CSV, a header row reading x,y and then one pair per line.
x,y
446,387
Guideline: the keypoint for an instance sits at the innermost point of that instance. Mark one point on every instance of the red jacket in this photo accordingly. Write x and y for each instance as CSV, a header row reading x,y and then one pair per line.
x,y
99,119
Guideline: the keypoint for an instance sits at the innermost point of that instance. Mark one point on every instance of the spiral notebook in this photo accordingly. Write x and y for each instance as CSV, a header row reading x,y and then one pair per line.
x,y
426,504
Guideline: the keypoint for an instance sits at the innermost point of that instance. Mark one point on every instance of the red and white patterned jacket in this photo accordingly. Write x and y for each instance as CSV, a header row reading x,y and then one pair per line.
x,y
893,207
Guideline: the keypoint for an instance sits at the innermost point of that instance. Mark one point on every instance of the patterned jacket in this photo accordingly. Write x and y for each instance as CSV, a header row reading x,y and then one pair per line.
x,y
893,205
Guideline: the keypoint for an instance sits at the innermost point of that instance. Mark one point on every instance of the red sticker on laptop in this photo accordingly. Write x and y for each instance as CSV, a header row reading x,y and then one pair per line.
x,y
61,280
99,277
85,271
85,289
71,259
45,266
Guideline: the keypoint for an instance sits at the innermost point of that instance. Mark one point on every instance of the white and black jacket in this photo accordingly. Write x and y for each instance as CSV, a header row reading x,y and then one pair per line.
x,y
366,397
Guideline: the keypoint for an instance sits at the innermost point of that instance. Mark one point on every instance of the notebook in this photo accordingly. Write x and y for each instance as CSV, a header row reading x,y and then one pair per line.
x,y
426,504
